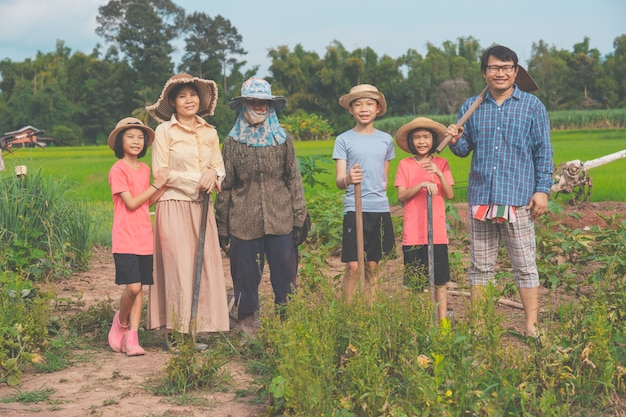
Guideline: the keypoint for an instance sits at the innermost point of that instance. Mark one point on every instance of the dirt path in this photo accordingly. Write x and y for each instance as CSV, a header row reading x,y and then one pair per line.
x,y
108,384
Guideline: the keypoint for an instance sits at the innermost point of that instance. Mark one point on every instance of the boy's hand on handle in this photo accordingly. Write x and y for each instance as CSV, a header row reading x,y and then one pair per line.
x,y
355,175
454,131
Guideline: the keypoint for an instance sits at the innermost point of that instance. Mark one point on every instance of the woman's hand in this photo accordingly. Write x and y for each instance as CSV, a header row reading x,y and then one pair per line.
x,y
208,181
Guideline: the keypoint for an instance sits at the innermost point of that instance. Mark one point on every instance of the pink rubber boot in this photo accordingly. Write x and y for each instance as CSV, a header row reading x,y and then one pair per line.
x,y
131,344
116,334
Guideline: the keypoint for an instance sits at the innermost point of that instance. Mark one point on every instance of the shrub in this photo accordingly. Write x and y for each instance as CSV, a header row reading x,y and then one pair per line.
x,y
305,126
24,316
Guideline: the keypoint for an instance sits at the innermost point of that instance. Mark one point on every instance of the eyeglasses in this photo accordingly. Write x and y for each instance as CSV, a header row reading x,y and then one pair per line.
x,y
494,69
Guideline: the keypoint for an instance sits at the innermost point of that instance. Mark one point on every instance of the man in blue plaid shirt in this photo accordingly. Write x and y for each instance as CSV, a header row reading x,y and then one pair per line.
x,y
510,177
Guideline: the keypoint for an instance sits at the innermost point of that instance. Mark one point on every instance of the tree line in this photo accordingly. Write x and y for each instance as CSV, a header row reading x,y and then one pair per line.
x,y
77,97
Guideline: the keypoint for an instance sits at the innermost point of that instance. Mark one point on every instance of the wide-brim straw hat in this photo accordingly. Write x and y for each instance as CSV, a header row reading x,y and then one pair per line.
x,y
259,89
524,81
130,123
364,91
402,135
162,110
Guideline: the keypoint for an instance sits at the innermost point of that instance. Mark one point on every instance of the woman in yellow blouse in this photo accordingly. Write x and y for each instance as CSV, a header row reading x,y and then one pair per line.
x,y
189,147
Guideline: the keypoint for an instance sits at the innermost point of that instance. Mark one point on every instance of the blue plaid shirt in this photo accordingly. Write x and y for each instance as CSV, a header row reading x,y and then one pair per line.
x,y
512,154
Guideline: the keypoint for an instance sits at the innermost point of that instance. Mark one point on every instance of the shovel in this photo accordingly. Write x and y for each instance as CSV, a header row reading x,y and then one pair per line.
x,y
523,80
360,249
431,247
199,256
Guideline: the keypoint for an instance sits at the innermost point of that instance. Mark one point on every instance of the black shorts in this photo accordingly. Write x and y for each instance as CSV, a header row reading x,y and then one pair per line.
x,y
378,237
416,265
133,269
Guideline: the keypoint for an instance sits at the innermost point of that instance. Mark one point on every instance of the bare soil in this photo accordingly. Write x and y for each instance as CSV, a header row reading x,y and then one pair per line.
x,y
108,384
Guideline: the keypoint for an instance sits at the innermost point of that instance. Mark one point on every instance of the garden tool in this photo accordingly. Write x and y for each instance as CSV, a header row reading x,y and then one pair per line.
x,y
199,257
358,206
431,246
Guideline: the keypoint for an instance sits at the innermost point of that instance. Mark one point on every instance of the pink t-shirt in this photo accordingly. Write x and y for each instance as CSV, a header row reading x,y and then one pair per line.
x,y
415,224
132,230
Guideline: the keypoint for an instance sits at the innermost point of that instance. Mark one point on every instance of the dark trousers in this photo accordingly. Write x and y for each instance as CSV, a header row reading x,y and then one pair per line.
x,y
247,259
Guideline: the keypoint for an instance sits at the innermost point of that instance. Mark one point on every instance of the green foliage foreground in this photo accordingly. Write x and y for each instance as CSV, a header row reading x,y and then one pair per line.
x,y
45,235
391,359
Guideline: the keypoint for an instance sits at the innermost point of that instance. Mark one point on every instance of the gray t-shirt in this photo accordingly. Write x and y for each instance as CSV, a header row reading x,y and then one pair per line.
x,y
371,151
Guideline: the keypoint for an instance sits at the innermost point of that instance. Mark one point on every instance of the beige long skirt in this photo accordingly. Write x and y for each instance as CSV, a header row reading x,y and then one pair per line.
x,y
176,235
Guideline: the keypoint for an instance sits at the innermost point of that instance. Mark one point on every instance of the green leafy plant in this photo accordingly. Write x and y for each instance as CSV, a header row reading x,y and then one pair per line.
x,y
24,315
187,370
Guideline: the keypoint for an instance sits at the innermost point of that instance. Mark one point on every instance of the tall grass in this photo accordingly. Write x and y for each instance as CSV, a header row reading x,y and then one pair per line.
x,y
44,232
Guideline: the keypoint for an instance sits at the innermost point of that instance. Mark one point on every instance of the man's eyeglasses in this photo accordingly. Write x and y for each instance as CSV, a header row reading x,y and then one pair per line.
x,y
494,69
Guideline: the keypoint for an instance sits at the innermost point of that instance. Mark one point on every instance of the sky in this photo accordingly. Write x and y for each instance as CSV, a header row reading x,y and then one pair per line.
x,y
389,27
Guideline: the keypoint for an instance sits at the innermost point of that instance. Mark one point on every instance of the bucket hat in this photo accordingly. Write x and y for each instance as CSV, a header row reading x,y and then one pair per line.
x,y
162,110
402,135
130,123
260,89
364,91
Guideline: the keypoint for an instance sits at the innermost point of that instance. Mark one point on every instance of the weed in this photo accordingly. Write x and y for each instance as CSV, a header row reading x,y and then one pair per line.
x,y
187,370
29,397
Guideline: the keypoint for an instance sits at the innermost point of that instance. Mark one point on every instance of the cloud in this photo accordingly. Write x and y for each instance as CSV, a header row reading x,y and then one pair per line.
x,y
36,25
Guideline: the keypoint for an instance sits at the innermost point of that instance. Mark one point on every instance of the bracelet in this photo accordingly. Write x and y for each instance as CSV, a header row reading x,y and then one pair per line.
x,y
157,188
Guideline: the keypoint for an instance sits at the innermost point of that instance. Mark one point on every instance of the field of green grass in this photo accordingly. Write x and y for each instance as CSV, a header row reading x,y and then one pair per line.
x,y
86,168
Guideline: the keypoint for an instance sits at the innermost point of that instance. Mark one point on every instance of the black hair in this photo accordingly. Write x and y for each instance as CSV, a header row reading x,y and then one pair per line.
x,y
119,143
174,91
501,52
409,140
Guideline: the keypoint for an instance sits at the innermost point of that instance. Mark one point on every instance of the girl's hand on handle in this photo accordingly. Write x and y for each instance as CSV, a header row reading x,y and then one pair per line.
x,y
431,188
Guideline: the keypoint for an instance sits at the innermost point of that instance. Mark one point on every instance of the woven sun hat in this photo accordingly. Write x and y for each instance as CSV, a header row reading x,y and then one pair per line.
x,y
130,123
162,110
364,91
402,135
259,89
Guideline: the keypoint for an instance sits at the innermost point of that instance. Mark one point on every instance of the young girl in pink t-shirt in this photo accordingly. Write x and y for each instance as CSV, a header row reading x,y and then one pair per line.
x,y
132,241
416,176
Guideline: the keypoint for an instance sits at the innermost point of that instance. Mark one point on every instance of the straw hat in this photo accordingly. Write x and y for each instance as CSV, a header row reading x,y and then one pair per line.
x,y
257,88
402,135
364,91
162,110
130,123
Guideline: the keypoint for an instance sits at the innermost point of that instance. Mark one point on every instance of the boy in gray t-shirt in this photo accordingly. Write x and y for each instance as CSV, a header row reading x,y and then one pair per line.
x,y
362,156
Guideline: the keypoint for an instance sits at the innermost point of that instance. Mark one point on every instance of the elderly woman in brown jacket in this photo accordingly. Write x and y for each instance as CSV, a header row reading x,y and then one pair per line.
x,y
261,209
